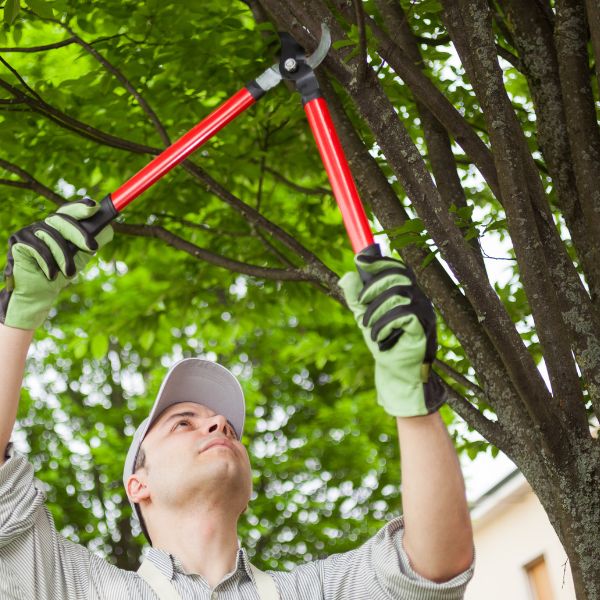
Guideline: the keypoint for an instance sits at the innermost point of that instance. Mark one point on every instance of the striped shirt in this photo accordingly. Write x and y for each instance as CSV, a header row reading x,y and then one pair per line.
x,y
37,563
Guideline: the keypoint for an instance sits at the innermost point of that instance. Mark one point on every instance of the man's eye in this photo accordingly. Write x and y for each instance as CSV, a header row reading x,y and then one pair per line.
x,y
183,422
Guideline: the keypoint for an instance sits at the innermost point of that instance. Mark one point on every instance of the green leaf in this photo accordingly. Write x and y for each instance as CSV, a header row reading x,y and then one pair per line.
x,y
99,346
147,339
80,348
11,10
41,8
428,260
343,44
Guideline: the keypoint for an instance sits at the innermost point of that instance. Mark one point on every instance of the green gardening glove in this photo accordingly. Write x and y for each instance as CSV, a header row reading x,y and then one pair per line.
x,y
398,324
43,258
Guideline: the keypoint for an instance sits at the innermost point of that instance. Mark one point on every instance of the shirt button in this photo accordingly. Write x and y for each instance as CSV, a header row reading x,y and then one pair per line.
x,y
214,596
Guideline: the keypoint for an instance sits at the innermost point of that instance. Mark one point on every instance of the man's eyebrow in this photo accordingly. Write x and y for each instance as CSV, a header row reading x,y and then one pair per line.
x,y
189,413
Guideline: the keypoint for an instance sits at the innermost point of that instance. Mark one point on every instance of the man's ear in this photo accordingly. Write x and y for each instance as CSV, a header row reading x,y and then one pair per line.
x,y
137,487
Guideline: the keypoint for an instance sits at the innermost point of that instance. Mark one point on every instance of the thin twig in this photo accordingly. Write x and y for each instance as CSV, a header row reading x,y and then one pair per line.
x,y
21,80
492,431
316,191
120,76
201,226
460,379
173,240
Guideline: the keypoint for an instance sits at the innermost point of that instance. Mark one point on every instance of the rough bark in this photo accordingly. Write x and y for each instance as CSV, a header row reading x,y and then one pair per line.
x,y
439,146
593,18
570,35
533,36
469,23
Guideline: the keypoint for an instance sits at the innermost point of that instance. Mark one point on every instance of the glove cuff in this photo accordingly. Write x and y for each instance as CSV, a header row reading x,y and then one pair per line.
x,y
415,400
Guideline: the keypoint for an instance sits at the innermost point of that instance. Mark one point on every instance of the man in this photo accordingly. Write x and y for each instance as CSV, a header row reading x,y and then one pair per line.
x,y
188,475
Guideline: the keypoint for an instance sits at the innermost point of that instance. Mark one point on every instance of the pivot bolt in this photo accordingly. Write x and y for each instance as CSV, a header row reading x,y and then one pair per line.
x,y
290,65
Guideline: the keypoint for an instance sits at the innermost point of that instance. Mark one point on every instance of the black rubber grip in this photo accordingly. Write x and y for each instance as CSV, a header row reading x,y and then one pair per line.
x,y
94,225
372,250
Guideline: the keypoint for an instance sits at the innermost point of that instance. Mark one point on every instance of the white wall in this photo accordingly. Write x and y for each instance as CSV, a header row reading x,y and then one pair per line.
x,y
511,529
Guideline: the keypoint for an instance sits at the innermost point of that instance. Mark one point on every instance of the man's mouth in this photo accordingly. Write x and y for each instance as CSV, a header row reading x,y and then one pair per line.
x,y
218,442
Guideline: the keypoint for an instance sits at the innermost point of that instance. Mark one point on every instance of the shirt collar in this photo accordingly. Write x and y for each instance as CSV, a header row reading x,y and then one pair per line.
x,y
168,564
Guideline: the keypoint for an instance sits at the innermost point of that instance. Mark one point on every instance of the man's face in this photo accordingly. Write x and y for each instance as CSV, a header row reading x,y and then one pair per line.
x,y
194,456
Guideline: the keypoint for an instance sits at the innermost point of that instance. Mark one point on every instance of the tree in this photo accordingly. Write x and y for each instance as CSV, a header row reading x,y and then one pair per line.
x,y
464,121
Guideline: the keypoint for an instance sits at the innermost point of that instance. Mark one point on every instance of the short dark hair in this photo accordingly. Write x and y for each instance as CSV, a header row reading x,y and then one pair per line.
x,y
140,460
140,463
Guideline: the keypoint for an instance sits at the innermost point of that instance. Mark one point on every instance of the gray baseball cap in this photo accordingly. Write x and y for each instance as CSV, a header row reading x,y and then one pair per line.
x,y
191,380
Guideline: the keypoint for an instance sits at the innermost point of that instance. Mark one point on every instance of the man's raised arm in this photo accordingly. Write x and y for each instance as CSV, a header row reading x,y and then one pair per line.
x,y
14,344
42,258
399,327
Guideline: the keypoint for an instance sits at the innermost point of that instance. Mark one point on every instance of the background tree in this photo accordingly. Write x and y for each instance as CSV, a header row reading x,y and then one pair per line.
x,y
468,124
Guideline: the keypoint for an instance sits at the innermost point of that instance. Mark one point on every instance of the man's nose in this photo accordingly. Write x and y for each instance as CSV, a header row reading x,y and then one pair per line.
x,y
217,424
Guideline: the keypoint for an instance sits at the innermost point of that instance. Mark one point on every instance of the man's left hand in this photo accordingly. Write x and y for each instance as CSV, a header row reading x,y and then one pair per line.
x,y
399,327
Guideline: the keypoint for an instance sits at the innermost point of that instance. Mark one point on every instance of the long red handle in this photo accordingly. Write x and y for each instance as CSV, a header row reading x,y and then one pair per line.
x,y
342,183
182,148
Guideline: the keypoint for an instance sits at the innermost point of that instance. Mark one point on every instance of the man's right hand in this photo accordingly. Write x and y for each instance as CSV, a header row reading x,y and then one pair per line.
x,y
41,262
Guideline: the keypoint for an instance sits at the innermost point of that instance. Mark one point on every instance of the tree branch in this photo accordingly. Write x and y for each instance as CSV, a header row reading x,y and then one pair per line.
x,y
492,431
570,35
45,48
407,164
461,379
593,19
327,277
469,24
173,240
441,157
156,231
60,118
431,97
313,264
19,78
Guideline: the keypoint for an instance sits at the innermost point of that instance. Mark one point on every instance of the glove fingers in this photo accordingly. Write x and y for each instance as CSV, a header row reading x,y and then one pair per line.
x,y
29,247
60,251
80,209
394,296
72,231
383,281
375,264
400,317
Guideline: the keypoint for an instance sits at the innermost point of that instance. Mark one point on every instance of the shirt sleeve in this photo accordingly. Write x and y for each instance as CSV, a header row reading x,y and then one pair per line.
x,y
380,570
36,562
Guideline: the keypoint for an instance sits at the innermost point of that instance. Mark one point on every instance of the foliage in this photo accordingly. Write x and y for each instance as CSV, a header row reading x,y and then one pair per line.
x,y
73,121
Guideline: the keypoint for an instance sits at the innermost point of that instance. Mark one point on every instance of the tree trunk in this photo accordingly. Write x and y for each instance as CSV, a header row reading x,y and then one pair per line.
x,y
571,498
546,435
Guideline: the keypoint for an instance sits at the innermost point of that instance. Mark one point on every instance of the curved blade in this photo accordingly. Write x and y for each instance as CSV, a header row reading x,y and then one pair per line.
x,y
317,57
